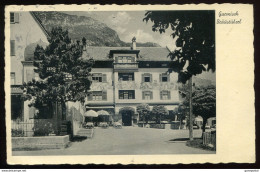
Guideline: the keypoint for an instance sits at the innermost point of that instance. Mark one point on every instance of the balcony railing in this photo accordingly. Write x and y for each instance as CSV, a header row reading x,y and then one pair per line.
x,y
16,89
126,66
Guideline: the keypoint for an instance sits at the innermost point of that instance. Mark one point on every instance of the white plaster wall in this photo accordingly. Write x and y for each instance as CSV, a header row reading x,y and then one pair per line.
x,y
98,86
156,92
25,32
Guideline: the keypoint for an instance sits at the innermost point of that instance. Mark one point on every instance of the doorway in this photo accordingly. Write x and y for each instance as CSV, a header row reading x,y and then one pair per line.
x,y
127,118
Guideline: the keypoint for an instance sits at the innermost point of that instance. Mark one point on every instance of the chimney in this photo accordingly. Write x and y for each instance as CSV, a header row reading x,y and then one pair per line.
x,y
133,44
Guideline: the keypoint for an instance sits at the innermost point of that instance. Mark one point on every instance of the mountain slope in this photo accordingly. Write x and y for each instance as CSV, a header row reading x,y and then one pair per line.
x,y
96,33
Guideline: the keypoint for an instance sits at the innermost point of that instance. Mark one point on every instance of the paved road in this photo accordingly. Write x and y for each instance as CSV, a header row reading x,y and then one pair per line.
x,y
127,141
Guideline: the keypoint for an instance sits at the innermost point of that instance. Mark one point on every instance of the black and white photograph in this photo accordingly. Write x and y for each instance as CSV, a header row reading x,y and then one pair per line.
x,y
118,82
113,82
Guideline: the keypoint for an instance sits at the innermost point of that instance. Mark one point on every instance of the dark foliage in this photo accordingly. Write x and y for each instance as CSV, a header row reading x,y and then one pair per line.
x,y
144,112
159,112
203,102
64,74
195,40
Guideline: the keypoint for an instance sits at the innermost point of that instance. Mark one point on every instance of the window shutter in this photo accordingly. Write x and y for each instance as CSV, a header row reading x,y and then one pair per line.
x,y
90,96
143,94
160,77
151,77
16,17
169,95
104,95
168,79
104,78
161,95
12,47
132,59
116,58
151,93
142,77
31,112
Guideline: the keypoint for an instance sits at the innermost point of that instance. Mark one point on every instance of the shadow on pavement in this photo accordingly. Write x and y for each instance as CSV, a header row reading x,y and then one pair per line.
x,y
183,139
78,139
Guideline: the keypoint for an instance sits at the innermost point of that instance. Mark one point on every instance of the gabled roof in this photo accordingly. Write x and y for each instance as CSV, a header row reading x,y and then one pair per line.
x,y
145,54
39,23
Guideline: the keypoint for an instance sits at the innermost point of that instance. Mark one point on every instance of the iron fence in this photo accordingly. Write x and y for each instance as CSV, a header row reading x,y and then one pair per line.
x,y
22,128
209,138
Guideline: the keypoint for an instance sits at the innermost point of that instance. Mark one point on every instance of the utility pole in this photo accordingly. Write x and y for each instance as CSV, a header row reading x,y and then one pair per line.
x,y
190,113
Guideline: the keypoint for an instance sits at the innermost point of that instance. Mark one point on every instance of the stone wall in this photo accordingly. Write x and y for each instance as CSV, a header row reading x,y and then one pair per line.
x,y
44,142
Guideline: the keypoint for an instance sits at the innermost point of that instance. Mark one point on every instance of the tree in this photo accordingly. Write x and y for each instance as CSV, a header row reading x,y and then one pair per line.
x,y
195,43
204,102
159,112
143,110
195,40
64,73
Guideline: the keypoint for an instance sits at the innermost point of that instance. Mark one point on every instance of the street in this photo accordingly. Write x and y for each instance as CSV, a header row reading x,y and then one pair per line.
x,y
126,141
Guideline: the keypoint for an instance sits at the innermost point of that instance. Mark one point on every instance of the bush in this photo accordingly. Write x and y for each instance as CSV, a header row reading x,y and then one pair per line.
x,y
43,128
198,143
17,133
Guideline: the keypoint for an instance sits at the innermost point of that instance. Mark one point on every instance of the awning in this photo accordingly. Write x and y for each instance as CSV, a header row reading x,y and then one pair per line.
x,y
198,118
103,112
91,113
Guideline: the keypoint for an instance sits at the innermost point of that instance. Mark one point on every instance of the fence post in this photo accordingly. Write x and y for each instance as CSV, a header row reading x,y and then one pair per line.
x,y
203,138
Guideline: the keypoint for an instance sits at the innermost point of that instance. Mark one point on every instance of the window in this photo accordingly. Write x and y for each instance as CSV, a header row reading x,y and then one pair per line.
x,y
126,94
126,76
97,96
147,95
164,77
99,77
68,76
147,77
165,95
120,59
51,69
12,47
12,78
14,17
124,59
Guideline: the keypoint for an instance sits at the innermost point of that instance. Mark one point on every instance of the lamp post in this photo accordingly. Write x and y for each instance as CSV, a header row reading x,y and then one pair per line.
x,y
190,112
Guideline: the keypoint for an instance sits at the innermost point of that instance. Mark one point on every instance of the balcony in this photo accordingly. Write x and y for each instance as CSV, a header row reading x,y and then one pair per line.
x,y
16,89
126,66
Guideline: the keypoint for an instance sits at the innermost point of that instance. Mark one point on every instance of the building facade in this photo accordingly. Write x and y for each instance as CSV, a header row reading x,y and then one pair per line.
x,y
25,33
124,77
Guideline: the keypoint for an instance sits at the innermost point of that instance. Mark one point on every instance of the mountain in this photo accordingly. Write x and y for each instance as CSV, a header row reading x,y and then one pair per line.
x,y
95,32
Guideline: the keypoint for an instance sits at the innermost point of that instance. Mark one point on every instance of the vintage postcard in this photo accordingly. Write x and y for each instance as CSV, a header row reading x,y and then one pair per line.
x,y
130,84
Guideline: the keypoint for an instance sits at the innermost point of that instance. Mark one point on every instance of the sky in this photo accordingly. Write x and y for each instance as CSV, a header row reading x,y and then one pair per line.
x,y
128,24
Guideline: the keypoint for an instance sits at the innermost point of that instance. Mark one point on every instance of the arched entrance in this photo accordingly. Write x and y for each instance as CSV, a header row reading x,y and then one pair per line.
x,y
127,115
